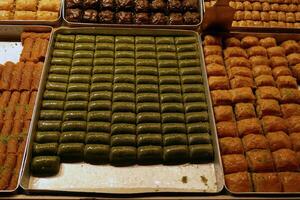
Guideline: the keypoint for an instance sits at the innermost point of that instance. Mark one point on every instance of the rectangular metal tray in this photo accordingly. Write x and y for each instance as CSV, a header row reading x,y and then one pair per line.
x,y
10,50
280,37
83,177
35,22
190,27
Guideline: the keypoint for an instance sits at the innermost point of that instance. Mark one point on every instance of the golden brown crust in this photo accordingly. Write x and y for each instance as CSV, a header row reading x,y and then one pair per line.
x,y
234,163
238,182
231,145
260,160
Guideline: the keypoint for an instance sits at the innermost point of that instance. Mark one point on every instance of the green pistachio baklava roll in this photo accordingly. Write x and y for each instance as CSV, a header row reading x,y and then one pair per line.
x,y
47,136
73,126
96,153
51,114
148,128
97,138
148,117
44,149
123,155
123,117
149,139
74,115
71,152
149,154
123,140
45,165
173,128
59,69
174,139
52,105
199,138
85,38
99,105
65,38
175,154
72,136
198,127
172,107
76,105
105,69
201,153
98,126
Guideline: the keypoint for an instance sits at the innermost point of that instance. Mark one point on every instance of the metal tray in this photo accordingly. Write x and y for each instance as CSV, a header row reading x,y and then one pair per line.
x,y
78,24
10,50
117,180
35,22
280,37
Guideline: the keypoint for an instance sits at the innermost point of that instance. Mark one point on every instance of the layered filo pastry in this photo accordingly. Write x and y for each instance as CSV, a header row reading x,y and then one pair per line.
x,y
290,109
231,145
255,141
239,182
239,71
266,107
266,182
290,181
278,140
234,52
233,163
244,111
260,160
226,129
214,69
223,113
221,97
285,160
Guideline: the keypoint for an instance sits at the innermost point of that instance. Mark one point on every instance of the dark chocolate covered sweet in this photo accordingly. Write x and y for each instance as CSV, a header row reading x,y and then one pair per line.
x,y
90,16
106,17
190,5
73,3
158,5
175,19
90,4
124,4
142,18
124,17
73,15
191,18
106,4
141,5
159,19
174,5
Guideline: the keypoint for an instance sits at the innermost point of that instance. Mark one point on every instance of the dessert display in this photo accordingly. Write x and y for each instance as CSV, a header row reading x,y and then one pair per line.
x,y
253,83
122,100
156,12
19,83
41,10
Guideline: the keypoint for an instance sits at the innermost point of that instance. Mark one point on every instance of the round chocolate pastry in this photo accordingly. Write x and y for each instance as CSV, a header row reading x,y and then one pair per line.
x,y
142,18
190,5
90,4
106,17
73,3
106,4
191,18
141,5
174,5
73,15
124,4
158,5
159,19
124,17
90,16
175,19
